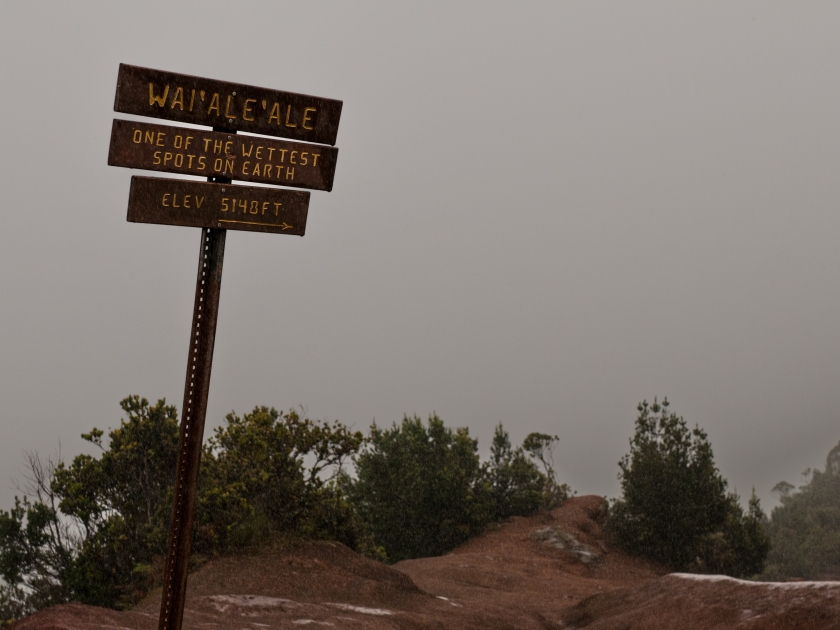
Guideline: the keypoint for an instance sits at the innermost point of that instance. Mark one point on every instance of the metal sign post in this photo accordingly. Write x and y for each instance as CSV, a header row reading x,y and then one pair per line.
x,y
215,206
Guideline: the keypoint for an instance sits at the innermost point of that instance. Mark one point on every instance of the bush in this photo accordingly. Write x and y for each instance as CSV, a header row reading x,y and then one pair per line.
x,y
805,528
267,471
674,507
516,484
420,488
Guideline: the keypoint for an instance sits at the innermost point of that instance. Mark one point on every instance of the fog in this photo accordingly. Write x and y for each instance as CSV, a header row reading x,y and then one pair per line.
x,y
543,213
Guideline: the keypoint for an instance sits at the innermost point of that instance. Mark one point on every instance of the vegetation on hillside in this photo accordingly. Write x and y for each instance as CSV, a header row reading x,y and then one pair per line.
x,y
95,530
422,491
675,508
805,528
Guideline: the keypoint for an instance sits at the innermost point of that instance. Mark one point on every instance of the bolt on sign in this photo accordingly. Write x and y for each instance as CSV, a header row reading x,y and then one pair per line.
x,y
305,159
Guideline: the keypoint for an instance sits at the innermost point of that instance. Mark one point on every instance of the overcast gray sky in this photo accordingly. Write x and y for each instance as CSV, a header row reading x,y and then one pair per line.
x,y
542,214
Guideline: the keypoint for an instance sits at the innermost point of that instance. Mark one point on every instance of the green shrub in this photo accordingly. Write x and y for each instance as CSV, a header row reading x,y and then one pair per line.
x,y
674,507
420,488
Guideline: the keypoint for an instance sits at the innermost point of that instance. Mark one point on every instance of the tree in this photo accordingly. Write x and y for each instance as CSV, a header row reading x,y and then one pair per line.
x,y
268,471
93,525
121,503
516,484
805,528
674,507
420,488
540,446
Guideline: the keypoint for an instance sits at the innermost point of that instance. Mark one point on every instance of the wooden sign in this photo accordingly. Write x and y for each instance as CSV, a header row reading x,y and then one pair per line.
x,y
219,206
210,153
189,99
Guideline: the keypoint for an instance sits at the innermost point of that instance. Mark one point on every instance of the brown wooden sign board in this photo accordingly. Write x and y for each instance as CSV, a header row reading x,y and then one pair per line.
x,y
208,153
188,99
217,206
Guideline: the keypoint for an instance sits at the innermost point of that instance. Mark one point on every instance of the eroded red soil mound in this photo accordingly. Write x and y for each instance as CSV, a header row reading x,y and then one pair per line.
x,y
547,571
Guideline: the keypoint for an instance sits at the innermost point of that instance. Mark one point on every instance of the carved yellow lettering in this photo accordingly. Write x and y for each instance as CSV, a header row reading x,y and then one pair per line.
x,y
275,114
149,138
202,164
315,157
306,117
228,113
192,99
166,157
175,201
289,113
137,136
224,204
251,148
160,137
292,157
217,146
264,206
187,142
157,100
179,160
290,173
163,201
246,108
282,154
179,142
199,201
178,99
217,165
266,170
303,159
207,142
256,170
186,201
270,152
245,167
243,205
228,166
258,154
214,104
277,205
189,160
254,207
279,168
156,157
228,146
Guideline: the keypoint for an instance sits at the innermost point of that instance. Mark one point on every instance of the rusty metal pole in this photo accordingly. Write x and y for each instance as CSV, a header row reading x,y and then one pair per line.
x,y
208,286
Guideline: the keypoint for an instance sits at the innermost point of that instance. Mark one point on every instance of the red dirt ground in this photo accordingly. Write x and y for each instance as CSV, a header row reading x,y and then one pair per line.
x,y
547,571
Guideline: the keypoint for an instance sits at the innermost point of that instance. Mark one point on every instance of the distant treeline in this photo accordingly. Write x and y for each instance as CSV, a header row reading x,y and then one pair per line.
x,y
95,530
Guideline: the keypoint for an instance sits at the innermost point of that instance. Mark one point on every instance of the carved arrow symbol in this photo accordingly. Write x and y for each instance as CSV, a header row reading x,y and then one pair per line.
x,y
285,226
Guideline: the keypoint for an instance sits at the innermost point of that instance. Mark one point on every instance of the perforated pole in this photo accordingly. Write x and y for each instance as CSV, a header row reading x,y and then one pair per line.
x,y
208,285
